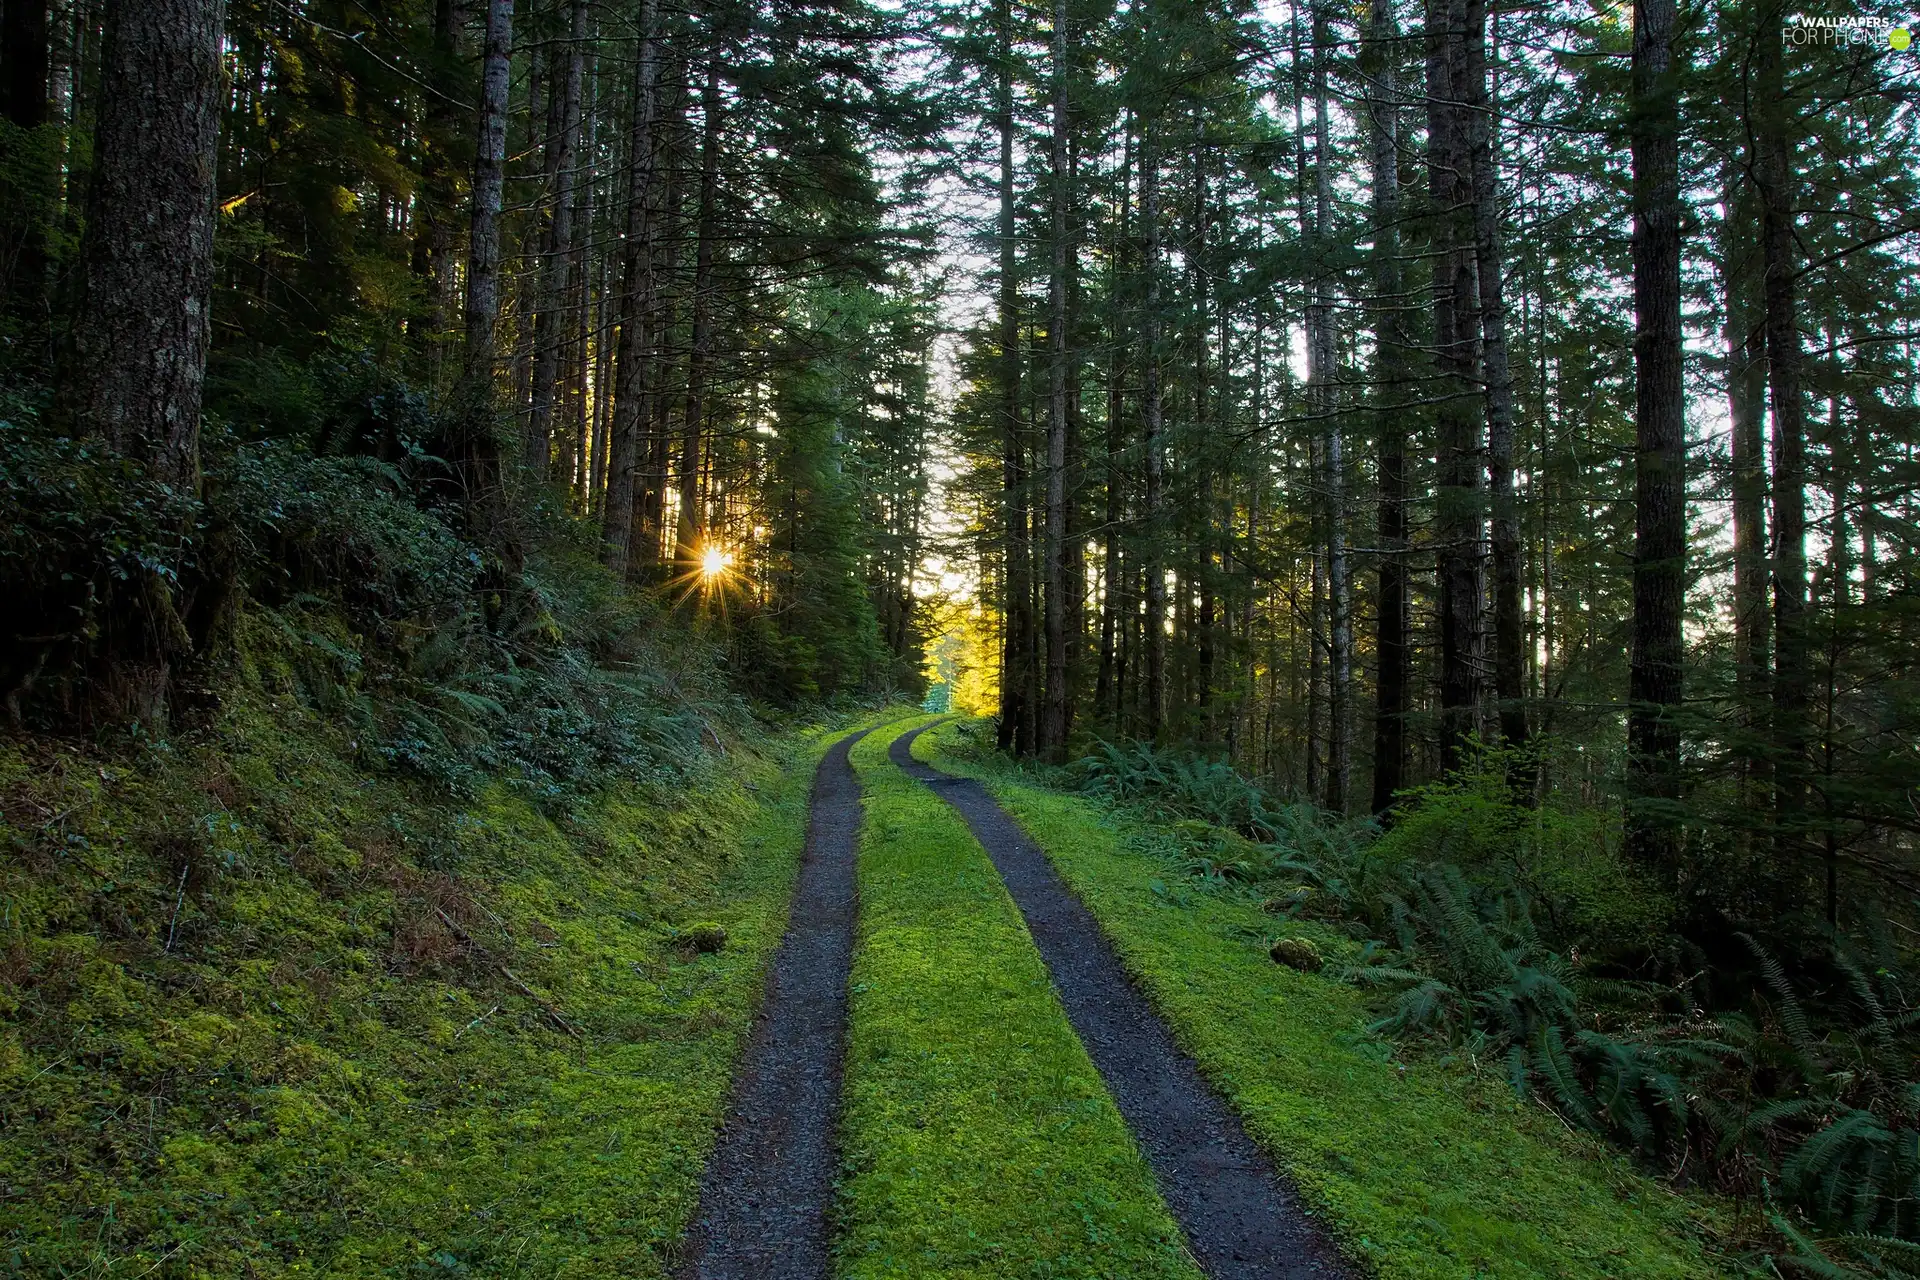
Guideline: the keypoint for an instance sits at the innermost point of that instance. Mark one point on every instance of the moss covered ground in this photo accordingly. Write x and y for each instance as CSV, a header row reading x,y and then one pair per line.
x,y
1430,1169
263,1013
978,1139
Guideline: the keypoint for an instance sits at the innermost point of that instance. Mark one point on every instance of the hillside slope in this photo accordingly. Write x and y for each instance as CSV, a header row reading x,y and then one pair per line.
x,y
265,1013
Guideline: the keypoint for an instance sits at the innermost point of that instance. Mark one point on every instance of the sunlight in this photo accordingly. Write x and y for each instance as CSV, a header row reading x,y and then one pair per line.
x,y
714,563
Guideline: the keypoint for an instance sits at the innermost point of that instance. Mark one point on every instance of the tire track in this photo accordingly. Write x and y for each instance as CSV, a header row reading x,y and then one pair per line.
x,y
766,1192
1241,1221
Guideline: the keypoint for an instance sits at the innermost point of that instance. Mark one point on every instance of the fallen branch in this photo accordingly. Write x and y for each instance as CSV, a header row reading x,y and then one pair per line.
x,y
476,1022
541,1000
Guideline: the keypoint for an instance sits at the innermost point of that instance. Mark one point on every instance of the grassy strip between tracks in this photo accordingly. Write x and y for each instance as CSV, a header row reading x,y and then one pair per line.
x,y
1427,1169
978,1139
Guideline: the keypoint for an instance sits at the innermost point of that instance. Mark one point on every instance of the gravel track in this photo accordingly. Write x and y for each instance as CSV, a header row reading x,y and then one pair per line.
x,y
1241,1220
768,1188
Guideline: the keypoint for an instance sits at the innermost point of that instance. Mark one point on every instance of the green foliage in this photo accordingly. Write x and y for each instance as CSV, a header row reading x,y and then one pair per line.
x,y
345,526
1180,785
265,1013
1566,863
826,641
89,544
378,620
1509,931
330,576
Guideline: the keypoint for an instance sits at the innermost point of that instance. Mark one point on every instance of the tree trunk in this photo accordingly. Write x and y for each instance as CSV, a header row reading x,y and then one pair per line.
x,y
1316,675
1392,635
577,374
1053,733
1774,171
1458,515
651,543
550,323
477,444
1106,698
598,442
138,356
1016,711
1660,487
636,303
690,528
489,182
434,208
1323,359
135,368
1509,652
1746,406
1153,414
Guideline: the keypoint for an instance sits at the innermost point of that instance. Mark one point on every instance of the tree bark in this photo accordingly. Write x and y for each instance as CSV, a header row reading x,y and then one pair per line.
x,y
690,527
435,207
1106,698
1323,359
1746,406
135,367
1016,711
673,141
1660,526
550,324
577,373
1458,516
1509,653
1392,640
1053,734
137,362
1774,173
476,451
489,183
1153,414
636,303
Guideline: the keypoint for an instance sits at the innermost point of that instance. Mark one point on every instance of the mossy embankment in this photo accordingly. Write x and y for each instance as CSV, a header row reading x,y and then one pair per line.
x,y
1430,1168
263,1012
977,1137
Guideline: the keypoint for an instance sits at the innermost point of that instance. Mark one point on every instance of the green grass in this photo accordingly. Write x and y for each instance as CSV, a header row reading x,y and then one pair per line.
x,y
978,1139
330,1070
1426,1168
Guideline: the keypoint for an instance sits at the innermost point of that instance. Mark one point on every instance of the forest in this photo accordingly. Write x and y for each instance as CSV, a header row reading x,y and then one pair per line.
x,y
1408,511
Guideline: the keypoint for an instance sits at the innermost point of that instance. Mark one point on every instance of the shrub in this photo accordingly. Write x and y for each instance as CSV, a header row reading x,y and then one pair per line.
x,y
1567,863
1171,785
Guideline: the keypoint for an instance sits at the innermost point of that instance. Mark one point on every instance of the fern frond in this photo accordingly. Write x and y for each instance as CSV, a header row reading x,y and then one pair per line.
x,y
1793,1018
1556,1066
1830,1147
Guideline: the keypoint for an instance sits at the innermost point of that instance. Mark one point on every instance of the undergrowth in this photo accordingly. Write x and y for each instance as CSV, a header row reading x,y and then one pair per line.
x,y
264,1012
1515,937
339,559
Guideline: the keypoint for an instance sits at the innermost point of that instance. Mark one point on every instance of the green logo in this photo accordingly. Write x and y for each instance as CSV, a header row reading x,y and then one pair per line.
x,y
1900,38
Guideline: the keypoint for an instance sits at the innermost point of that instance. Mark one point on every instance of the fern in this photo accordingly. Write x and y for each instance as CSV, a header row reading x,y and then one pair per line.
x,y
1863,991
1556,1067
1792,1017
1808,1258
1764,1118
1887,1255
